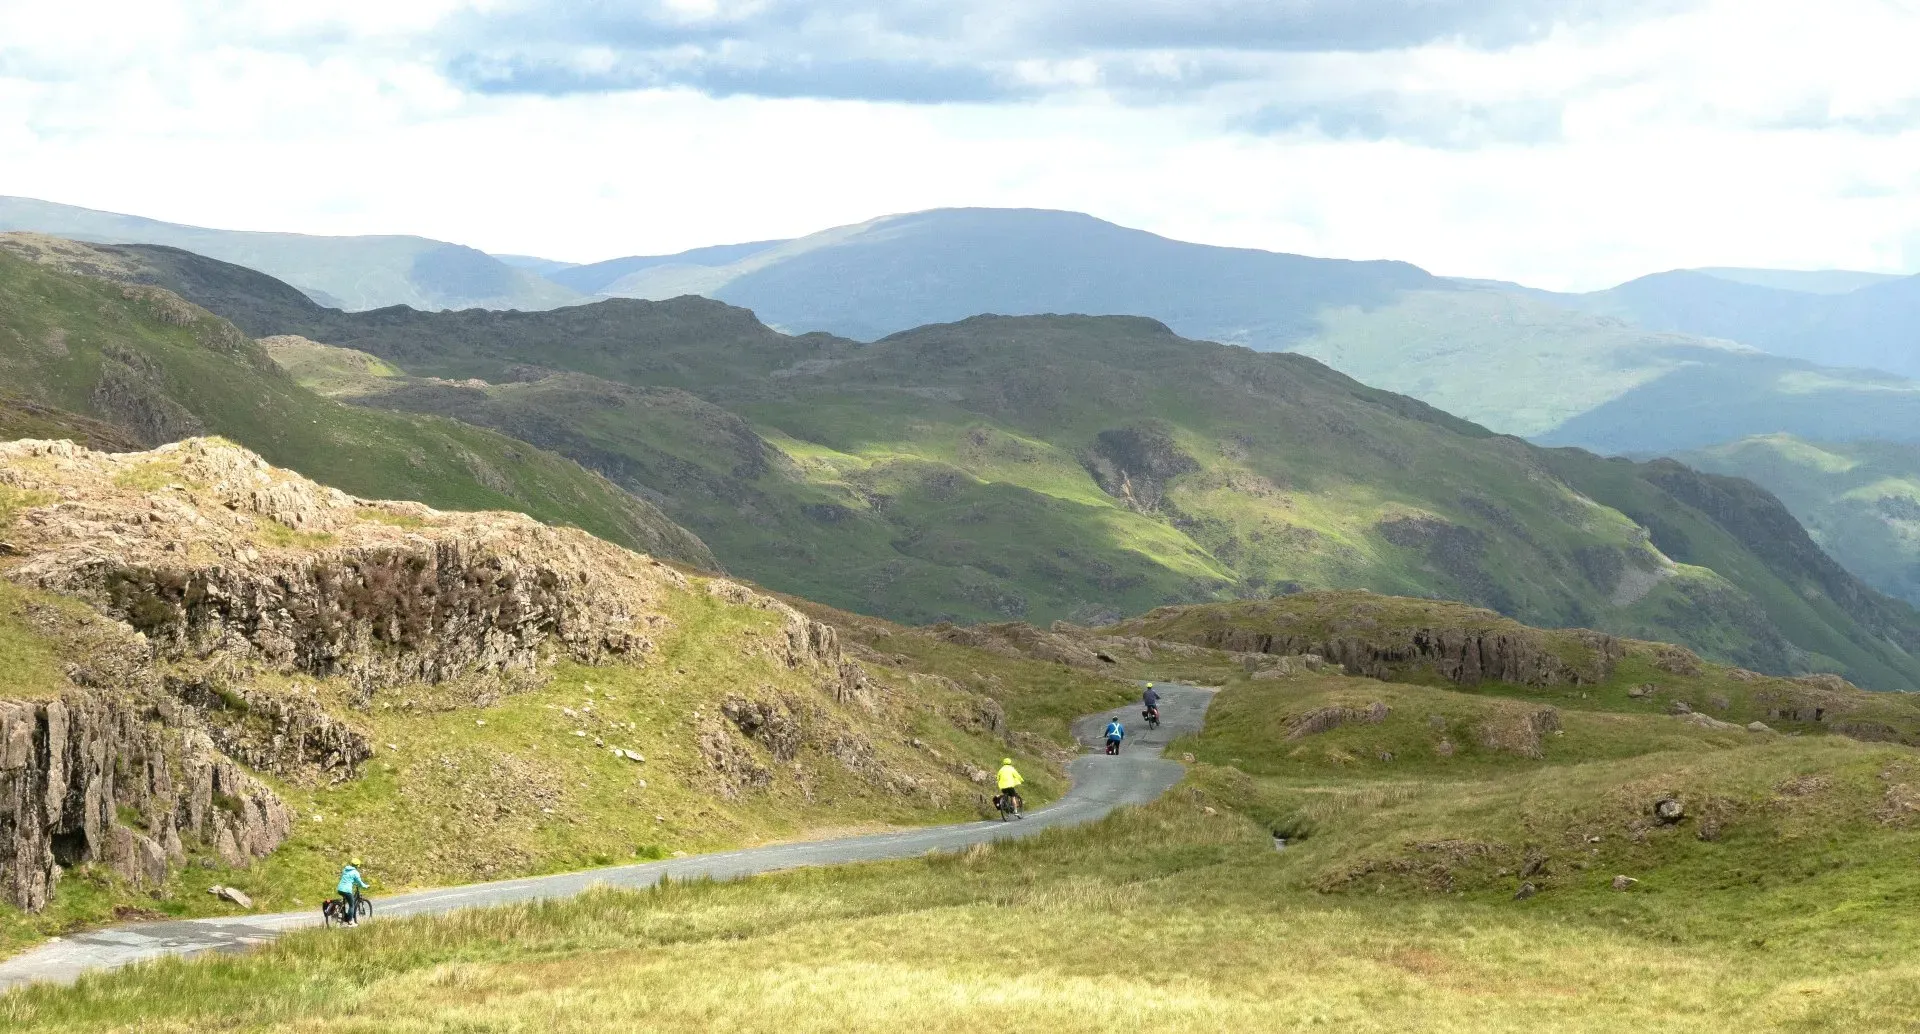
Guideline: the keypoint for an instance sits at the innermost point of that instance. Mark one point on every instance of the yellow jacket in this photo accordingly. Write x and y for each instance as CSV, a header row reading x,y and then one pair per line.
x,y
1009,778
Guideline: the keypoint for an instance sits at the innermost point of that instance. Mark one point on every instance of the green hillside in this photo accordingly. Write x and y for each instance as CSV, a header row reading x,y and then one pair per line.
x,y
158,369
1859,500
977,472
1083,468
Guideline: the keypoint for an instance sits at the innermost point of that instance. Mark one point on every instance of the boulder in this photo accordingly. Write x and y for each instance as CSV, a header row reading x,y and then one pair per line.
x,y
1624,882
1707,721
1759,727
232,894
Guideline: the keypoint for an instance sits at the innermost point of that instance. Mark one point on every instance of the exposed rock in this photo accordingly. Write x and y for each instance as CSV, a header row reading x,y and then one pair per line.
x,y
1643,690
771,723
1137,464
1624,883
1669,810
1677,660
1680,707
232,894
1709,722
73,765
1323,719
1290,667
294,577
1759,727
1466,656
1526,891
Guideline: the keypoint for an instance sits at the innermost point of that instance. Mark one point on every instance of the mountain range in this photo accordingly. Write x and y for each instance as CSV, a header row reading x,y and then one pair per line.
x,y
1070,467
1639,369
350,272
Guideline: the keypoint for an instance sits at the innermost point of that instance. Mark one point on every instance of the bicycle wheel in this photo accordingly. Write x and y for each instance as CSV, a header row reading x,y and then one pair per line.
x,y
365,909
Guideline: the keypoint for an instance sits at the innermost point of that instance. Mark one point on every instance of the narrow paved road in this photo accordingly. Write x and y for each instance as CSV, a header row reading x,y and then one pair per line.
x,y
1100,784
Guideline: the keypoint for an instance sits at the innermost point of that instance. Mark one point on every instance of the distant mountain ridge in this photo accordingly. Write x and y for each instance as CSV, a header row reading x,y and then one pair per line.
x,y
345,272
1810,281
1875,325
608,279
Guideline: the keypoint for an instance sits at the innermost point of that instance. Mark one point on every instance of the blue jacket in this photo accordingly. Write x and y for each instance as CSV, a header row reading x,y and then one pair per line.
x,y
1151,698
350,881
1114,731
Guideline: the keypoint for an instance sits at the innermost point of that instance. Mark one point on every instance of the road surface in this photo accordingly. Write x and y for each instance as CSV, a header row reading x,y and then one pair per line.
x,y
1100,784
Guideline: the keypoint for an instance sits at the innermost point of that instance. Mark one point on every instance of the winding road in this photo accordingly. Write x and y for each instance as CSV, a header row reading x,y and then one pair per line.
x,y
1138,775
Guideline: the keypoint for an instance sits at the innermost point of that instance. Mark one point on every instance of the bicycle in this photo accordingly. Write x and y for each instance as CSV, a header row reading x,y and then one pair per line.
x,y
333,913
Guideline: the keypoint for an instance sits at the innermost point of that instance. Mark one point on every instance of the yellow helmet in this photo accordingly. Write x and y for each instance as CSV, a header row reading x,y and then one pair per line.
x,y
355,863
1006,761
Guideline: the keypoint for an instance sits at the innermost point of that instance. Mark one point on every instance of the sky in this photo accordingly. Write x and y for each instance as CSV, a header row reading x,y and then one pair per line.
x,y
1569,144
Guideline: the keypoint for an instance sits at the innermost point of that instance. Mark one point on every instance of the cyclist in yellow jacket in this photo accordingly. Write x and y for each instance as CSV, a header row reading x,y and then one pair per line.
x,y
1009,782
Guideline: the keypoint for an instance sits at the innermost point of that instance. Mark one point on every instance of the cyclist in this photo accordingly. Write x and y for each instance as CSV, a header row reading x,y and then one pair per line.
x,y
1151,698
349,888
1115,733
1009,782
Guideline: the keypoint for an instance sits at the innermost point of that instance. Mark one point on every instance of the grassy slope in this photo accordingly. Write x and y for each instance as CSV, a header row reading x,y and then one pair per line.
x,y
457,793
1859,500
1779,903
179,369
1749,538
944,473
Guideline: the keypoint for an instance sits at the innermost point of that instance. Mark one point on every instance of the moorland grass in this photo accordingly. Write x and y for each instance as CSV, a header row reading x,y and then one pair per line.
x,y
1168,918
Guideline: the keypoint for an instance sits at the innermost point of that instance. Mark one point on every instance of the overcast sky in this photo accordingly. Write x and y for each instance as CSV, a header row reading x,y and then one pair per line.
x,y
1562,143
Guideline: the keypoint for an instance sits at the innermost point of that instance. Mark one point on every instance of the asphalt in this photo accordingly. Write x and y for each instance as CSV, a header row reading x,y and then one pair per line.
x,y
1100,784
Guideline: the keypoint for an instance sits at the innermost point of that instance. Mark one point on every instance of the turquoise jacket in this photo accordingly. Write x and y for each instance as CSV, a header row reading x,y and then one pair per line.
x,y
350,881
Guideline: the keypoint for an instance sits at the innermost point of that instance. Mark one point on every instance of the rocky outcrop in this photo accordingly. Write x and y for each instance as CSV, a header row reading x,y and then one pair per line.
x,y
1325,719
286,734
207,550
1464,656
206,568
128,782
222,589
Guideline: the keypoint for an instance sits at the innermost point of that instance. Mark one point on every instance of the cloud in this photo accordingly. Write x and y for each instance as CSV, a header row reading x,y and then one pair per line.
x,y
941,51
762,75
1559,143
1444,122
